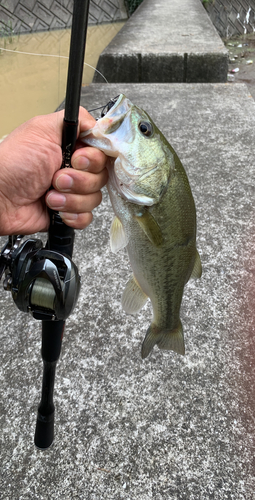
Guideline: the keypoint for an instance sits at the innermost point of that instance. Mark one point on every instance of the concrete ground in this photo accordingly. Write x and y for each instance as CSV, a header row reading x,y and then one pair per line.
x,y
169,427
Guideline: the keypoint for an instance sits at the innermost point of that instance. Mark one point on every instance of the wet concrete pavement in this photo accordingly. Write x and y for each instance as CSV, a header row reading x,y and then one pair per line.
x,y
242,57
169,427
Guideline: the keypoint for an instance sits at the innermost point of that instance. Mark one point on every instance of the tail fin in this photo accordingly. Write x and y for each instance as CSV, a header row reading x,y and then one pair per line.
x,y
170,340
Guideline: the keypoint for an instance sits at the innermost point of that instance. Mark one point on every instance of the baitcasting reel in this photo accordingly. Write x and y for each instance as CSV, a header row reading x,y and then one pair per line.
x,y
43,282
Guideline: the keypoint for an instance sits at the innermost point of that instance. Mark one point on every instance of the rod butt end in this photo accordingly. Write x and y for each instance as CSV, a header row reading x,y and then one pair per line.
x,y
44,431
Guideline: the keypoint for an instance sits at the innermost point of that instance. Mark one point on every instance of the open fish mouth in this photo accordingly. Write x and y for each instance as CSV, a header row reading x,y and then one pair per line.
x,y
111,104
112,116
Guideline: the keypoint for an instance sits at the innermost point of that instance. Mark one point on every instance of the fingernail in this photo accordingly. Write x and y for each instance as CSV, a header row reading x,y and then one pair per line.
x,y
81,163
64,182
66,216
56,200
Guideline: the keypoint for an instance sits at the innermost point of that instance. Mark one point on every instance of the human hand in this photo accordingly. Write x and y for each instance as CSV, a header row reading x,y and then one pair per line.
x,y
30,159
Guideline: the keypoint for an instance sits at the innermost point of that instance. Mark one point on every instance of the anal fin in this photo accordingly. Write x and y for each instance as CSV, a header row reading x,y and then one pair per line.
x,y
133,298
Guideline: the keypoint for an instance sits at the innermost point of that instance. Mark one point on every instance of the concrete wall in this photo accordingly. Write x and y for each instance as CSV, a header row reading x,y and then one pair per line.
x,y
23,16
232,17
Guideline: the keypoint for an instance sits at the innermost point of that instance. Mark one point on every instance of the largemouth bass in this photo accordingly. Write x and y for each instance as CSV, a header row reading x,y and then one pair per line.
x,y
155,217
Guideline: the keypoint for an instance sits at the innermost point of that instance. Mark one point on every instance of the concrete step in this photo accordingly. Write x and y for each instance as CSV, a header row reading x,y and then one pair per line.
x,y
168,427
165,41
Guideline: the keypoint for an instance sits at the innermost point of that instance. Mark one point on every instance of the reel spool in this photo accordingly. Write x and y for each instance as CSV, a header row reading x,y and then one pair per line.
x,y
43,282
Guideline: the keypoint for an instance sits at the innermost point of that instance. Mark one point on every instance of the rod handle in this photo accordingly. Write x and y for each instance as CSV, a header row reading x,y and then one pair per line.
x,y
52,334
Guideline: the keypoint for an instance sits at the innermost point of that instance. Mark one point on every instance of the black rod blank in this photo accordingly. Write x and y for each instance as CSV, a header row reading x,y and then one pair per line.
x,y
76,59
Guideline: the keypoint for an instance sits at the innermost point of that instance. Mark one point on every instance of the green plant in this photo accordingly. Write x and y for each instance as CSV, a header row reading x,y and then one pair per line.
x,y
7,31
206,2
132,5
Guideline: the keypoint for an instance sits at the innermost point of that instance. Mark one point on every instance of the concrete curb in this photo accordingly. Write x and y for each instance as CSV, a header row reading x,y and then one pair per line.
x,y
165,42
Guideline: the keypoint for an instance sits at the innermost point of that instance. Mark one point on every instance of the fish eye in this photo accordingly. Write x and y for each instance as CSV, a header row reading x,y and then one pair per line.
x,y
146,128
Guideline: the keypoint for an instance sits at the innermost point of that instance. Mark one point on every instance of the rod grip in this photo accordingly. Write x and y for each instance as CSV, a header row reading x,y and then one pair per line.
x,y
61,236
52,334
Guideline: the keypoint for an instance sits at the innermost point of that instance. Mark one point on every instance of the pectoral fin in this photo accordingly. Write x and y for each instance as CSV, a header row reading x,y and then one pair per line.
x,y
168,339
150,227
118,238
133,298
197,269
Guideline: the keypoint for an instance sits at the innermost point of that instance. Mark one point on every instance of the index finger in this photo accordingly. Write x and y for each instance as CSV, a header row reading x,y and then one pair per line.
x,y
89,159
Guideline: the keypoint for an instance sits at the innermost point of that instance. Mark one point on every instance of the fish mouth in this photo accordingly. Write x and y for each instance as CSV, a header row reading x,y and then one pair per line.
x,y
111,105
113,116
117,110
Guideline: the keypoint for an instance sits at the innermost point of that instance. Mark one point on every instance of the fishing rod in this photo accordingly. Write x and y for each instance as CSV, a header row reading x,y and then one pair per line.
x,y
45,281
61,236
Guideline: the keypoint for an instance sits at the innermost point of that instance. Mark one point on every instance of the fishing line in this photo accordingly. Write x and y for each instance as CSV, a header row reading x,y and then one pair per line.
x,y
107,106
51,55
59,45
95,109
